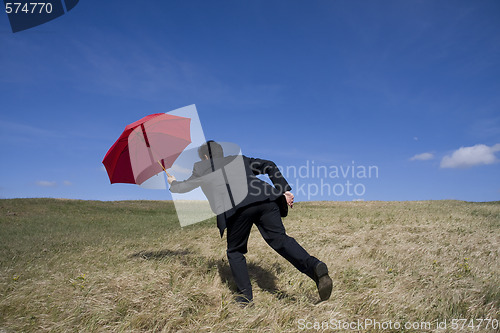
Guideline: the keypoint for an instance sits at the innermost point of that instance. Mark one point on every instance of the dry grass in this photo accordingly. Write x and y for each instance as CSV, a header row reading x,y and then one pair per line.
x,y
85,266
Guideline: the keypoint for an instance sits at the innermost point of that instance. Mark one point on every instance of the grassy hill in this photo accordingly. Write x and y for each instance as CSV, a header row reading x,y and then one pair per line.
x,y
89,266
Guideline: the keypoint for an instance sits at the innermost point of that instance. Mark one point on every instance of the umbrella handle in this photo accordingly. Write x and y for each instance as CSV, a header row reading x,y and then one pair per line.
x,y
168,175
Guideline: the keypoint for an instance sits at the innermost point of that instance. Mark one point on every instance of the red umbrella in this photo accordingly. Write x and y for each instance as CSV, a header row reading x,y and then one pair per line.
x,y
147,147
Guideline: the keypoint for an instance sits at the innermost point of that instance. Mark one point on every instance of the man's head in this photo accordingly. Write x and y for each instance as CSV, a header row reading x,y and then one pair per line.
x,y
210,149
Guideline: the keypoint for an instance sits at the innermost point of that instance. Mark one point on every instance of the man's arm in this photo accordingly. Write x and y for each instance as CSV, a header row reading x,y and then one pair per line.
x,y
184,186
260,166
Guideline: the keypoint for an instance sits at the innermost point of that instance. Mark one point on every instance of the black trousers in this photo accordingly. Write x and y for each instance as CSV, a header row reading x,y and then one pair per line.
x,y
266,216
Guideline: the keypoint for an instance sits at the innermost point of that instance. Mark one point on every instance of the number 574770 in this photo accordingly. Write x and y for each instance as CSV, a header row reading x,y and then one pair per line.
x,y
28,8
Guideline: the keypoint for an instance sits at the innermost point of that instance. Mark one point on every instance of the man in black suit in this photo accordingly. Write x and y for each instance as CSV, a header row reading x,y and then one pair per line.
x,y
240,199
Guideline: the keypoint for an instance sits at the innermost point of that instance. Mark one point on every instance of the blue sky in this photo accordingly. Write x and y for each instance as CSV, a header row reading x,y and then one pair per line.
x,y
410,87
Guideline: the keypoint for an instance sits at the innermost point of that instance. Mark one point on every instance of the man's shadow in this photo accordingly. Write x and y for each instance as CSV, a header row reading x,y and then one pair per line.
x,y
264,278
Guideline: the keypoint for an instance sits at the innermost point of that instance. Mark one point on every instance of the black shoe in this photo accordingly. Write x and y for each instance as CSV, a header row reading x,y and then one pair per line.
x,y
243,301
323,281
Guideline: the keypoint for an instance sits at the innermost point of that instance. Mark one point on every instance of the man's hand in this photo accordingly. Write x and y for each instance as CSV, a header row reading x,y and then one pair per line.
x,y
289,198
170,179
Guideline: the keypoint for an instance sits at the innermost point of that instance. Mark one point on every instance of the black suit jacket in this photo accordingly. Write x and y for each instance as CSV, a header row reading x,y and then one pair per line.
x,y
231,183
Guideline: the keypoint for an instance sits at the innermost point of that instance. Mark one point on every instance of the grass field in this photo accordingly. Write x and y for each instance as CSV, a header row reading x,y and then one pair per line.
x,y
89,266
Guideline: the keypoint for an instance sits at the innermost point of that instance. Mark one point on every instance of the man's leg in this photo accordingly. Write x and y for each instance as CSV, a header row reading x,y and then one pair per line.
x,y
238,231
272,230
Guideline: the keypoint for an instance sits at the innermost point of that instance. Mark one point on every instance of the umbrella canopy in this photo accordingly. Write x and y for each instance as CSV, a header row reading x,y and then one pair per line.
x,y
146,147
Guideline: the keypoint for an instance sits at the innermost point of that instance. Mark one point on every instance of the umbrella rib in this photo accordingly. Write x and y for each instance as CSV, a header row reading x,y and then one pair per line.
x,y
145,135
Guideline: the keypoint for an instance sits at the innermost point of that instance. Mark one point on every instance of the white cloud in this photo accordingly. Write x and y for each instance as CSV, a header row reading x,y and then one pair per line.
x,y
67,183
466,157
422,157
45,183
